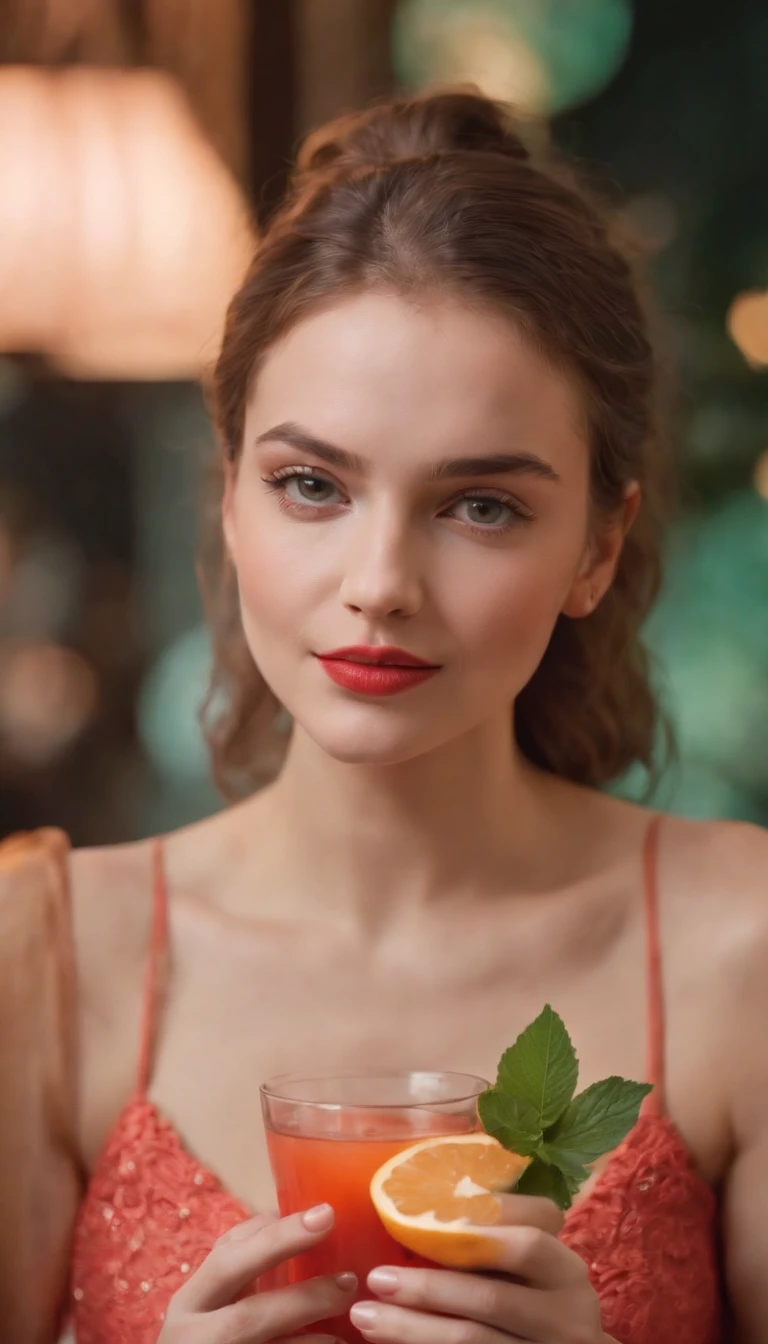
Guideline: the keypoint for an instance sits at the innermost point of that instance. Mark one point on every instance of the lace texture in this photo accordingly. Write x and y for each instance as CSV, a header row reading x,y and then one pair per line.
x,y
152,1213
647,1232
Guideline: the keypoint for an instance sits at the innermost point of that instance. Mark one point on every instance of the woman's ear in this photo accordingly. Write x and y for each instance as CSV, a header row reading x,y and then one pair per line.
x,y
602,557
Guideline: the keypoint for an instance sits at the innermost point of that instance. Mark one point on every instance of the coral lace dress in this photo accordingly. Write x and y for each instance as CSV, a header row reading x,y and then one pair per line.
x,y
151,1212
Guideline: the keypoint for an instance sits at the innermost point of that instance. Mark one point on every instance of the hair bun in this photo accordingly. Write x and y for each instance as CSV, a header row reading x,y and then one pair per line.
x,y
412,128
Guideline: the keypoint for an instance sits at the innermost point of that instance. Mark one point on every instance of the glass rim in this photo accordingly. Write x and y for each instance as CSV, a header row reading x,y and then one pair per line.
x,y
471,1087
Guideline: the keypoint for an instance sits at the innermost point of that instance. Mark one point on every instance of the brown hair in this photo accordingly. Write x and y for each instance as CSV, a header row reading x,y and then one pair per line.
x,y
438,193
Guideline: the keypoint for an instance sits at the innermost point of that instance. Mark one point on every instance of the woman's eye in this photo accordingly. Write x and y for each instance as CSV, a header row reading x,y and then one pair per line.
x,y
311,489
302,487
485,512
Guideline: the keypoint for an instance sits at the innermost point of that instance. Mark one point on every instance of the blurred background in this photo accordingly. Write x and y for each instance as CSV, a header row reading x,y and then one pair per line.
x,y
139,140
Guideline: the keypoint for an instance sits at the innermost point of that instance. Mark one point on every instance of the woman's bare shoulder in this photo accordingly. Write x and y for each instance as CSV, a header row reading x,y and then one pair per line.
x,y
112,886
713,885
112,905
714,906
718,864
111,889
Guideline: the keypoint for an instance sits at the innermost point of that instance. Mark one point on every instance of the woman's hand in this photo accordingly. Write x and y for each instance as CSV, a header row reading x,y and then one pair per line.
x,y
536,1290
207,1311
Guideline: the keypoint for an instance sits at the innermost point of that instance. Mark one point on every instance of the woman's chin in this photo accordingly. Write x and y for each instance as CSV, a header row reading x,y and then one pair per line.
x,y
368,743
356,752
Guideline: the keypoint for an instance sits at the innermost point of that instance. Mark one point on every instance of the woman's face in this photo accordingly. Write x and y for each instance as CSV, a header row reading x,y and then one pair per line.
x,y
413,476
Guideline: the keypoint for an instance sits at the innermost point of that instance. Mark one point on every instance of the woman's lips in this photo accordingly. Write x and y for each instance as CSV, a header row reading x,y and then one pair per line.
x,y
374,678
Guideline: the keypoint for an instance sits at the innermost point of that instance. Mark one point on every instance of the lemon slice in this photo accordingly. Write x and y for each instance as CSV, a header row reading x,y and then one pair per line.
x,y
434,1197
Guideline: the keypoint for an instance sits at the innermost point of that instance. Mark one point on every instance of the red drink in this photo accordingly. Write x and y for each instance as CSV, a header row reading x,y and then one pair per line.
x,y
325,1152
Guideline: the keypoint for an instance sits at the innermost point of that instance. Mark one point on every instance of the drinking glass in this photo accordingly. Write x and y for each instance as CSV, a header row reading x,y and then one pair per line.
x,y
327,1136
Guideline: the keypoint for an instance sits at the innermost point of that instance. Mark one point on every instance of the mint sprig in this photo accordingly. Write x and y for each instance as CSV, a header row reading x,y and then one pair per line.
x,y
532,1110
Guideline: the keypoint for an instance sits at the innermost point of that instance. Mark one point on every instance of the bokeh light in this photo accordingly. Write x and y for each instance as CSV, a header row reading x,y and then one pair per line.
x,y
761,479
169,705
543,57
747,324
48,694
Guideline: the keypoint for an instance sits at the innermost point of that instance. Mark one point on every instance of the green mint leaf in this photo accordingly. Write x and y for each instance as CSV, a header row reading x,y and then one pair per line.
x,y
574,1177
532,1111
595,1122
572,1173
541,1068
549,1182
513,1122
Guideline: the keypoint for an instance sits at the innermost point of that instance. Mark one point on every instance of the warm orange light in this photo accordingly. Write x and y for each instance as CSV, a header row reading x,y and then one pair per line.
x,y
747,324
47,696
123,234
761,476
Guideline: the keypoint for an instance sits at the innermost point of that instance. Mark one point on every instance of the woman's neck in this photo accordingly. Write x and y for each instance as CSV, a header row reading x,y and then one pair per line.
x,y
470,816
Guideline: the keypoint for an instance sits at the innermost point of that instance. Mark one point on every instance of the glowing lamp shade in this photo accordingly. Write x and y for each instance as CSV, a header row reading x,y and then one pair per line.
x,y
122,234
541,55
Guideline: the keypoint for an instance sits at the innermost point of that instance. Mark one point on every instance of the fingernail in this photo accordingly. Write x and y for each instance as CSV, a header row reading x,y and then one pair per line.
x,y
346,1282
319,1219
383,1280
364,1315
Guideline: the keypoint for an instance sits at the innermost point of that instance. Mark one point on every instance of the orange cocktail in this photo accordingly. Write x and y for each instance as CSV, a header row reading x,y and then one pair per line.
x,y
327,1137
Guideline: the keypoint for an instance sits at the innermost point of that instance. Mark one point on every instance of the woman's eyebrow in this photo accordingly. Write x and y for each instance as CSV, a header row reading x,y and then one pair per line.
x,y
496,464
295,437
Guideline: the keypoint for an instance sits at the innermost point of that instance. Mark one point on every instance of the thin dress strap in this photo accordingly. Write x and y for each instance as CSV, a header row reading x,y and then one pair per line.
x,y
155,967
655,1103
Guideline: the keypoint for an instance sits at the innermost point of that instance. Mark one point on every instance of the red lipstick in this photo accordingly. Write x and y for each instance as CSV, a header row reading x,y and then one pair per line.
x,y
376,669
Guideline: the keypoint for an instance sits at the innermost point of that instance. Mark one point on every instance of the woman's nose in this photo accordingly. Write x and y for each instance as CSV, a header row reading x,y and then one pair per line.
x,y
381,577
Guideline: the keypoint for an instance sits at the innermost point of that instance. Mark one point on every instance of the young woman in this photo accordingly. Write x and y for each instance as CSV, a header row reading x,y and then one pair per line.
x,y
441,492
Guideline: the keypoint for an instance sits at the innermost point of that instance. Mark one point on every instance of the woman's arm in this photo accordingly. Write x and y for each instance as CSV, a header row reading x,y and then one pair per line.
x,y
39,1176
745,1216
